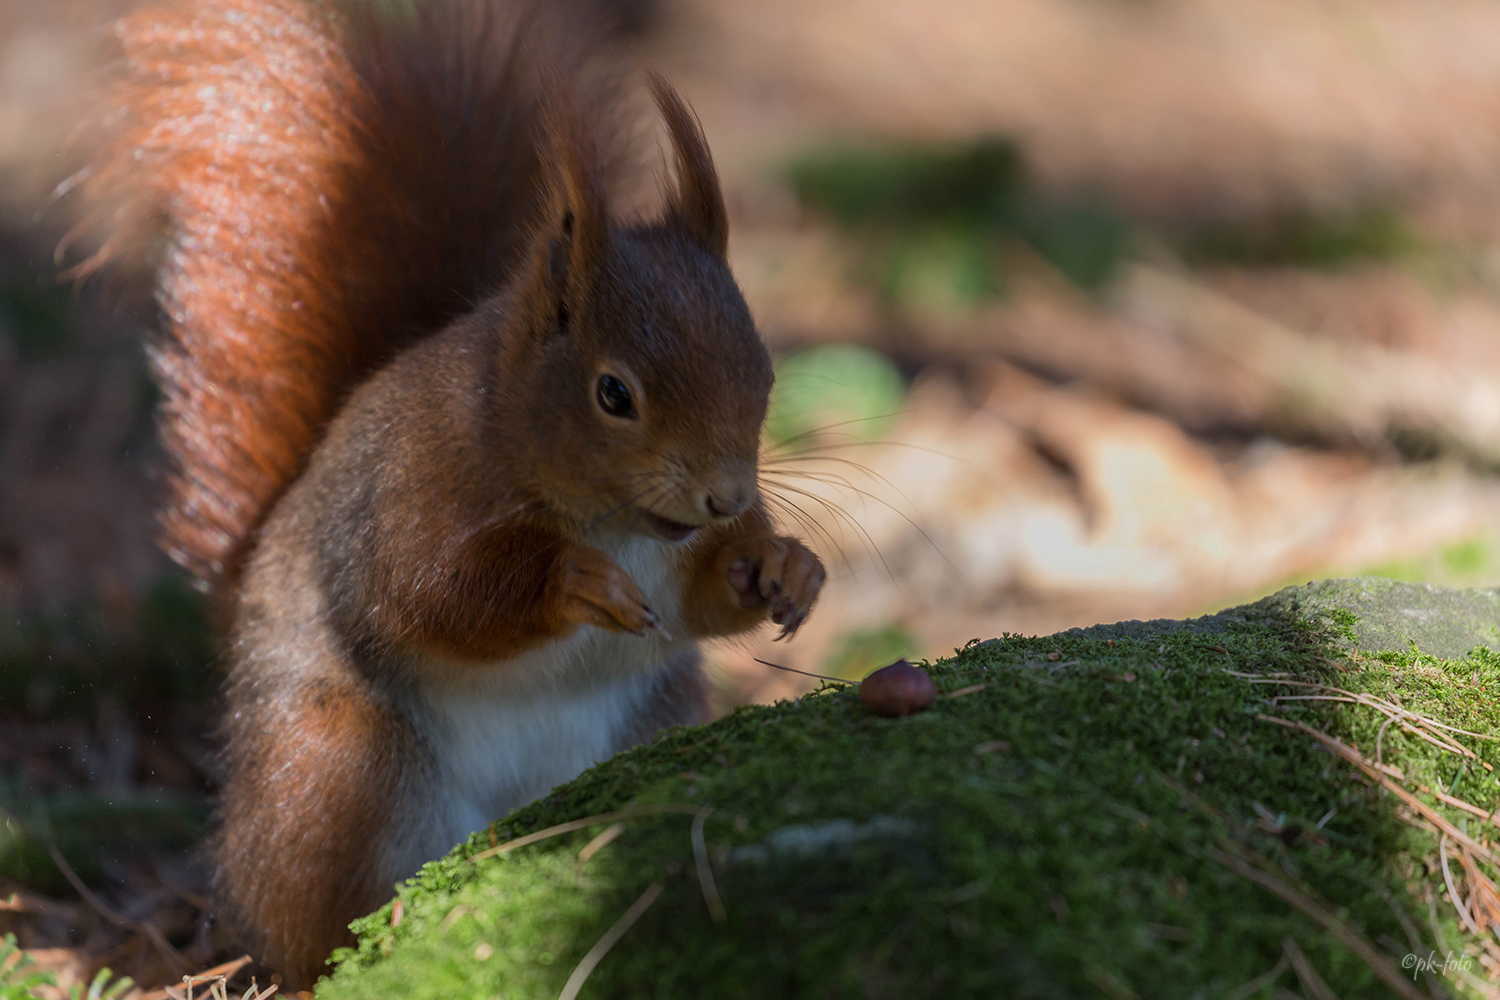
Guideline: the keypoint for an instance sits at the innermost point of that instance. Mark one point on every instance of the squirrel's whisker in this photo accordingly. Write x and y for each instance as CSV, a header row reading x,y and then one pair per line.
x,y
824,429
844,483
779,465
843,515
808,523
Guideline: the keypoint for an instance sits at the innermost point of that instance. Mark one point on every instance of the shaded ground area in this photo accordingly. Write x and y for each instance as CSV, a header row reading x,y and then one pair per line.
x,y
1267,798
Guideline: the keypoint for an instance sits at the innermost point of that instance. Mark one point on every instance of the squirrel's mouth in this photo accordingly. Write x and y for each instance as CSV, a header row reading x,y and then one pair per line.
x,y
665,528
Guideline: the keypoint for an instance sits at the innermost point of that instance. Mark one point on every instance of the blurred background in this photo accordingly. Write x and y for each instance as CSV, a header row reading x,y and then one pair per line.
x,y
1083,309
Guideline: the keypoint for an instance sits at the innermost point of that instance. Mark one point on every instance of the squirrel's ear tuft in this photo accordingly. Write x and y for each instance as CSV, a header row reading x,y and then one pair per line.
x,y
698,204
577,220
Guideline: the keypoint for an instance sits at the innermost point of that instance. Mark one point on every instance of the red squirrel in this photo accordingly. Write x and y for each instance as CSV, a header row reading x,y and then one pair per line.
x,y
470,464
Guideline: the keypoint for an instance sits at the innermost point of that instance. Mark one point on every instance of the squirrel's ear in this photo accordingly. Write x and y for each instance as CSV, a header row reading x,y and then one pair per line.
x,y
698,204
577,223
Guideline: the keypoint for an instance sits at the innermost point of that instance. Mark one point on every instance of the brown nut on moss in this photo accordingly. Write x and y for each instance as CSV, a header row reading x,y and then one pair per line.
x,y
899,689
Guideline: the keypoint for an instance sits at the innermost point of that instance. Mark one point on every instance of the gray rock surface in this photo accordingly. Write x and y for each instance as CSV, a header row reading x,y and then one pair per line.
x,y
1391,614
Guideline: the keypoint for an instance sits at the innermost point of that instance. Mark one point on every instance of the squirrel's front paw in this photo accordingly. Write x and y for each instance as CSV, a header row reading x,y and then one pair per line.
x,y
596,591
780,574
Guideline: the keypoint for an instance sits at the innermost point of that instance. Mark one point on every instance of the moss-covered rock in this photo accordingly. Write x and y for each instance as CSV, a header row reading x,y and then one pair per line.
x,y
1111,814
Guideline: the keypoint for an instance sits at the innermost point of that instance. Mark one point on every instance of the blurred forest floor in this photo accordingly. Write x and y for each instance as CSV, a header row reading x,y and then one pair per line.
x,y
1084,310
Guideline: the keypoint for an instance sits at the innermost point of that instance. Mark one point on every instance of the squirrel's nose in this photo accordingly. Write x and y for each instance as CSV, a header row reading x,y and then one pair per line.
x,y
725,503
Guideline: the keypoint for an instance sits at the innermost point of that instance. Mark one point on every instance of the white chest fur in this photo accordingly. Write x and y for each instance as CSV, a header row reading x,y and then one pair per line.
x,y
505,733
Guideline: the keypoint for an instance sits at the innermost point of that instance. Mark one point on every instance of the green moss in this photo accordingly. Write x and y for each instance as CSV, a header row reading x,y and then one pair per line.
x,y
1059,833
1344,621
938,269
1370,232
932,218
911,184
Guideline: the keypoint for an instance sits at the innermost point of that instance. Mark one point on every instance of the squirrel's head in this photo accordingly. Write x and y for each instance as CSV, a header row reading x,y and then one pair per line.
x,y
647,380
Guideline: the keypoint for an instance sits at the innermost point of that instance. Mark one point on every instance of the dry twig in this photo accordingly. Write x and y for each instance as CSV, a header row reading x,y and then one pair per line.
x,y
1351,938
629,812
603,945
705,870
226,971
170,955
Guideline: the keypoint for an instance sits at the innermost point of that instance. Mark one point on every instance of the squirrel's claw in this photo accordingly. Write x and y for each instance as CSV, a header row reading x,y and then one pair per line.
x,y
780,575
793,623
597,592
654,624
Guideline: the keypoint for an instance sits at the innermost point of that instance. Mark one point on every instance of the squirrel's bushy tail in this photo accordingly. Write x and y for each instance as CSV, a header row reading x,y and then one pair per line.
x,y
324,186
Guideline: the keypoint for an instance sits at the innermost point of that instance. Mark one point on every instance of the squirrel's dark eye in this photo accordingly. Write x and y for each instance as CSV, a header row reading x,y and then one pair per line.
x,y
614,398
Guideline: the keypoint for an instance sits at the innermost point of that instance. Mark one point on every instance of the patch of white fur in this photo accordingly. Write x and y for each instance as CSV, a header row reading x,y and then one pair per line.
x,y
494,755
507,732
